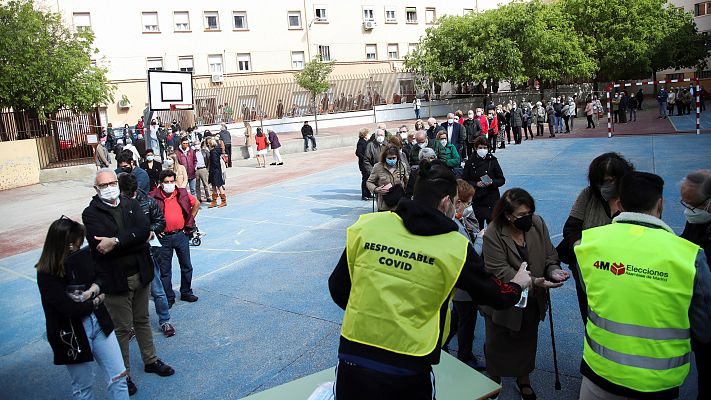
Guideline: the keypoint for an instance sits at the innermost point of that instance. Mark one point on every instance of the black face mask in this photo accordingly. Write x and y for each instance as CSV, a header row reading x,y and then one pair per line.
x,y
524,223
127,169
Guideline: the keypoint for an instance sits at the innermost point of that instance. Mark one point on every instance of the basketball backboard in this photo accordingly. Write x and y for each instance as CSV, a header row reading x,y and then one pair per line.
x,y
169,87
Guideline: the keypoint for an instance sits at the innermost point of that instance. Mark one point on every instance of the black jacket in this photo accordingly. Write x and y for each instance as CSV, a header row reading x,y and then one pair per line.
x,y
307,131
65,329
477,167
133,240
360,153
153,173
473,129
151,209
700,234
484,288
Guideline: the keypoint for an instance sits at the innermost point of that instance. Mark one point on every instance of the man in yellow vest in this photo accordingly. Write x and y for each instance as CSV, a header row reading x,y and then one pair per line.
x,y
648,291
395,281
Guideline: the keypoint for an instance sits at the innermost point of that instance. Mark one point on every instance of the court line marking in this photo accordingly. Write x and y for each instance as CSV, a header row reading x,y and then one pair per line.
x,y
259,222
266,251
18,274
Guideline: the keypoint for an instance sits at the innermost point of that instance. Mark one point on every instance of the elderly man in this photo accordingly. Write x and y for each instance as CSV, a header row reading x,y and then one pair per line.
x,y
226,140
373,149
455,133
433,128
117,231
384,128
422,142
696,198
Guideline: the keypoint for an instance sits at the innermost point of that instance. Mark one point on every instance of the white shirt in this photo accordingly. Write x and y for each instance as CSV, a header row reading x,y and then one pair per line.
x,y
450,128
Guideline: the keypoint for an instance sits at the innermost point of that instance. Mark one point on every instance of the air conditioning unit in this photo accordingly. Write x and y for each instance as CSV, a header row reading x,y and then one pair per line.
x,y
217,78
368,25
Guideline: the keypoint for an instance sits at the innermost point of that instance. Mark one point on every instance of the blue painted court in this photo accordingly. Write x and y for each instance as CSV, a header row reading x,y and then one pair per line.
x,y
265,316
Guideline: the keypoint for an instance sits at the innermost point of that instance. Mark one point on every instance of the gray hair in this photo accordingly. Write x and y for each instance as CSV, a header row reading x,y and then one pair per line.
x,y
427,153
381,126
379,132
103,171
701,179
421,135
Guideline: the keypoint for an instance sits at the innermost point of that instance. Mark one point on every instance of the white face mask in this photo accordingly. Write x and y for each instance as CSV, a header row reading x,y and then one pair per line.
x,y
169,163
514,106
403,135
149,158
413,142
110,193
380,139
168,187
697,216
423,144
443,141
478,113
467,211
471,115
450,121
481,152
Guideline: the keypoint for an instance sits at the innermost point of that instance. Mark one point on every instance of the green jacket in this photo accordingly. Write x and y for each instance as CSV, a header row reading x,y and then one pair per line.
x,y
449,155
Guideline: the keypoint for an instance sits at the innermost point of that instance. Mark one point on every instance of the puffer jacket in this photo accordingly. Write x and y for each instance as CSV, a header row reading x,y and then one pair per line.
x,y
151,209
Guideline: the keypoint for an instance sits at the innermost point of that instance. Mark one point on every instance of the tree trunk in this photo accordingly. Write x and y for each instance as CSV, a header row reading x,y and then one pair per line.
x,y
315,115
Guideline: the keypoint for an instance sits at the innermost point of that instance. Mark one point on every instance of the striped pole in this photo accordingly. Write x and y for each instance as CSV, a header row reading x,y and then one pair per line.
x,y
698,106
609,115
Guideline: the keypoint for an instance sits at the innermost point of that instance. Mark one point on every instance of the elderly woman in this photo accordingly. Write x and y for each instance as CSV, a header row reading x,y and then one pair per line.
x,y
448,154
389,178
595,206
516,236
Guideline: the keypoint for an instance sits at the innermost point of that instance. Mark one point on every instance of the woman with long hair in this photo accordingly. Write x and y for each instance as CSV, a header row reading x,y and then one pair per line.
x,y
79,328
215,177
181,174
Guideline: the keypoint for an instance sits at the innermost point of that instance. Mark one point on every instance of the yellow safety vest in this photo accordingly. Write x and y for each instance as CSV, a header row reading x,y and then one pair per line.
x,y
399,282
639,282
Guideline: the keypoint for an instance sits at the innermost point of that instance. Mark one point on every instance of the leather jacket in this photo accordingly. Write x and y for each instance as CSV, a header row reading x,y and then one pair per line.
x,y
152,211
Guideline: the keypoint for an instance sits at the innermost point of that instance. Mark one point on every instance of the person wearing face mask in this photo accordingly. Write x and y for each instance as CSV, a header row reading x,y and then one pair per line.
x,y
127,164
152,167
79,328
648,293
596,205
485,174
101,154
696,199
473,129
373,150
186,157
202,155
178,169
388,178
385,352
179,208
492,126
447,153
363,137
432,128
408,139
117,231
455,133
518,238
517,121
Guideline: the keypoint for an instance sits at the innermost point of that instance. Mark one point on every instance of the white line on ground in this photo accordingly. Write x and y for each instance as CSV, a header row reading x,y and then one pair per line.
x,y
11,272
270,222
266,251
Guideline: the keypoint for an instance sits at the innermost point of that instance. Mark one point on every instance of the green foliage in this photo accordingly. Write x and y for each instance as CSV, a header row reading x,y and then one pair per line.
x,y
44,66
314,77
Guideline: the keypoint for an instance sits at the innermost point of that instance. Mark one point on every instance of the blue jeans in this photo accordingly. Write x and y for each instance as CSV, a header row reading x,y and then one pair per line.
x,y
417,113
107,354
179,243
558,125
313,142
157,292
663,109
191,185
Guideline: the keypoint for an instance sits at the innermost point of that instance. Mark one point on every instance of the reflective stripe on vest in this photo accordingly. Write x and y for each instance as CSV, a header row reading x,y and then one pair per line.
x,y
399,282
639,282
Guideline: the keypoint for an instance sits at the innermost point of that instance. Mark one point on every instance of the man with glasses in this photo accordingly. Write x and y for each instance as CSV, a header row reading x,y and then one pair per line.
x,y
696,199
117,231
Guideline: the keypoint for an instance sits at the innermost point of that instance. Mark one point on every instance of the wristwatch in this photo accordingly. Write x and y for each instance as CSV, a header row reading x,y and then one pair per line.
x,y
116,240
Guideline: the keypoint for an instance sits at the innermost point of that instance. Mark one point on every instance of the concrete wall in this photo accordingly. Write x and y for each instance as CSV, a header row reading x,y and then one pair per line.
x,y
19,164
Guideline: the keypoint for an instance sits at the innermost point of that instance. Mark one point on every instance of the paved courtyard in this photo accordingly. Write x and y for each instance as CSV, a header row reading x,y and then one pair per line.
x,y
265,316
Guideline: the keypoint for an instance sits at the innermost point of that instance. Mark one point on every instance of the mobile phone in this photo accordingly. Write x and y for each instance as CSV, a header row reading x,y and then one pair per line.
x,y
486,179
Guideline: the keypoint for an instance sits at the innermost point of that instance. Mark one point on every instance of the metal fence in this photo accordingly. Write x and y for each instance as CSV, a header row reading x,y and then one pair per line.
x,y
60,137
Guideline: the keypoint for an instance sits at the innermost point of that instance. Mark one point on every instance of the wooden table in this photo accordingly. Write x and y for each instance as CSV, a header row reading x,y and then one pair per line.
x,y
454,379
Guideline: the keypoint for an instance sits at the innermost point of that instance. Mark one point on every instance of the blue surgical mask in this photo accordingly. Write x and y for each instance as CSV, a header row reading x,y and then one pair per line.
x,y
390,162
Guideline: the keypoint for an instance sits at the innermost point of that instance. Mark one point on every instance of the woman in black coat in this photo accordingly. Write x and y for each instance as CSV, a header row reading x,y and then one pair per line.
x,y
360,153
215,177
487,190
79,327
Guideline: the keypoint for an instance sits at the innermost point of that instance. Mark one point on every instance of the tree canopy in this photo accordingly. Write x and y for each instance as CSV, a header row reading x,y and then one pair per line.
x,y
559,42
44,65
314,79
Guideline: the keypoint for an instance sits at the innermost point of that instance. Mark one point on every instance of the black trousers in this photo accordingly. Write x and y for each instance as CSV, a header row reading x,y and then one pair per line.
x,y
517,134
483,214
566,118
591,123
354,382
363,187
539,129
492,143
508,133
527,131
702,354
463,325
470,149
228,150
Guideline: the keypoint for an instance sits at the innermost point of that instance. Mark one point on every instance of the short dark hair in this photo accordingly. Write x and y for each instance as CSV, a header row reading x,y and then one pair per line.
x,y
149,150
509,202
125,156
434,181
640,191
481,141
127,184
184,139
166,173
612,164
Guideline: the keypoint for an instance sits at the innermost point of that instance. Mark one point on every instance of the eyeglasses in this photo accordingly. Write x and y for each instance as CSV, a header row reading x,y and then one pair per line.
x,y
699,207
108,184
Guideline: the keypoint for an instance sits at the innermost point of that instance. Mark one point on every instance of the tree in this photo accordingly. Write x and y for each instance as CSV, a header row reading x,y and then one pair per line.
x,y
44,66
313,78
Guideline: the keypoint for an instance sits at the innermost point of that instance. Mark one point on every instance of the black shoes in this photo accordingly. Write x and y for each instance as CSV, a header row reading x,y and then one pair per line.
x,y
132,389
273,163
159,367
189,297
170,303
530,395
281,163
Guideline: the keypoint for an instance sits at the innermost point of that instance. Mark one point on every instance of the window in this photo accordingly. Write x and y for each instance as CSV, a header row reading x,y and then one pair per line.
x,y
679,76
155,63
392,51
212,21
185,63
297,60
244,62
411,15
368,13
182,21
321,13
371,52
468,11
240,20
411,47
82,21
390,17
705,75
702,8
214,62
150,21
294,18
430,15
325,53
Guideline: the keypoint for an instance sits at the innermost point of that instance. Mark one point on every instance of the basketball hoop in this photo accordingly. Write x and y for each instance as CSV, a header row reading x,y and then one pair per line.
x,y
180,106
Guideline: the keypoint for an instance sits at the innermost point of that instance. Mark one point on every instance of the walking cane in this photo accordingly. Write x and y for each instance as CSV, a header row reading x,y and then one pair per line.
x,y
555,353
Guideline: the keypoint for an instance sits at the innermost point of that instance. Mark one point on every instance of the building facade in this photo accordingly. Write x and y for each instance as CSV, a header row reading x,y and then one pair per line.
x,y
245,42
701,10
